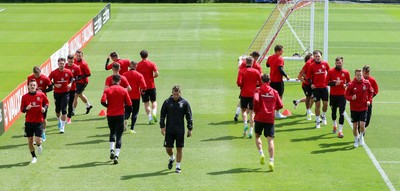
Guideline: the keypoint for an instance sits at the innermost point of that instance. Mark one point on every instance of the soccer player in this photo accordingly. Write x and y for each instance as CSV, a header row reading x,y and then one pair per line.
x,y
247,80
242,64
62,79
308,59
43,85
76,71
115,98
124,63
266,100
81,82
34,104
359,93
338,79
149,71
174,110
138,85
316,76
367,76
276,63
123,82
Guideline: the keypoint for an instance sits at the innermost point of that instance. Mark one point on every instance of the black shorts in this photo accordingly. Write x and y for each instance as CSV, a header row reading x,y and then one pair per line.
x,y
320,93
337,101
116,122
279,87
80,87
246,102
307,90
33,129
149,95
268,128
61,102
357,116
170,138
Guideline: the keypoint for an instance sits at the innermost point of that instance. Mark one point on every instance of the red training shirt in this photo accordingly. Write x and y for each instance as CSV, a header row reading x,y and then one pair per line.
x,y
43,82
37,100
76,71
317,73
124,82
123,65
147,69
137,83
274,61
266,100
363,91
117,98
61,77
304,70
84,70
374,85
247,80
343,76
255,66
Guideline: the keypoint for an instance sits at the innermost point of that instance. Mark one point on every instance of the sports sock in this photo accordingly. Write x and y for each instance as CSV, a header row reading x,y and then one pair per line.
x,y
33,154
117,152
245,123
355,138
172,157
112,145
317,119
63,123
238,109
154,112
334,123
271,159
309,111
297,101
261,152
178,165
150,117
323,115
73,110
87,104
340,127
251,129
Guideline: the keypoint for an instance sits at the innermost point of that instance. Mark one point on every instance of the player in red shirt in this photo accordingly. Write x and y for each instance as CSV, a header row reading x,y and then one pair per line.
x,y
316,76
247,80
359,93
115,98
76,71
44,85
338,79
124,63
123,82
138,85
62,79
34,104
308,59
81,82
266,100
275,62
366,70
149,71
242,64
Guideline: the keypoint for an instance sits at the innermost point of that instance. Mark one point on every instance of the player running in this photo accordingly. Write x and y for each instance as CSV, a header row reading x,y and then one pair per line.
x,y
82,82
124,63
308,59
374,84
76,72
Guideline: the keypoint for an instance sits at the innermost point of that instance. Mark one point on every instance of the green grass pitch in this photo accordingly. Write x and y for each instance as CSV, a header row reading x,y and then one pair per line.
x,y
196,46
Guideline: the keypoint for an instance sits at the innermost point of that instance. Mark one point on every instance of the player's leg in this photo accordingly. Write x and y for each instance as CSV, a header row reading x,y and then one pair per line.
x,y
363,118
110,122
333,103
44,125
29,133
64,104
146,103
317,101
38,132
238,109
57,100
324,97
135,111
70,106
180,143
258,128
355,120
244,106
119,129
153,99
127,114
369,114
169,144
251,118
342,108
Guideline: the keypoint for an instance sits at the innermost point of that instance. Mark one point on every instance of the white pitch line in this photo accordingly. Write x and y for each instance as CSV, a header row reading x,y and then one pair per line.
x,y
373,159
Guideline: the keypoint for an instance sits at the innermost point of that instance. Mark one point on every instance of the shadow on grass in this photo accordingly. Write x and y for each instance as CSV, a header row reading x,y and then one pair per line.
x,y
224,138
230,122
13,146
18,136
150,174
314,138
87,165
20,164
87,142
90,119
283,129
96,136
102,127
239,170
334,147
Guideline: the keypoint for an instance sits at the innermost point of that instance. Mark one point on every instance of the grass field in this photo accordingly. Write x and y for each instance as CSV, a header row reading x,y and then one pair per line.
x,y
196,46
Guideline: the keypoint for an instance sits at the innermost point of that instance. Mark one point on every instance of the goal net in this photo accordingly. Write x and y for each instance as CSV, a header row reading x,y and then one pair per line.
x,y
300,26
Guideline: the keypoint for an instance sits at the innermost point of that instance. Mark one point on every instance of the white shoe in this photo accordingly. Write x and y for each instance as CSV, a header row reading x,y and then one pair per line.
x,y
317,126
309,116
361,140
34,160
40,149
356,143
312,113
280,116
61,130
324,121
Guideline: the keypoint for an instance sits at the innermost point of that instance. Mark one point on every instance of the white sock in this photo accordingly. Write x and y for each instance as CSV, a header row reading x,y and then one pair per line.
x,y
112,145
172,157
261,152
73,110
355,138
323,115
59,119
117,152
297,101
340,128
178,165
154,112
334,123
150,117
63,123
245,123
87,104
317,118
238,109
251,129
271,159
309,111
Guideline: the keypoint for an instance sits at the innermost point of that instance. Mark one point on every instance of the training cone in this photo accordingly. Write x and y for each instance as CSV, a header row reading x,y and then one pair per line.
x,y
286,113
102,113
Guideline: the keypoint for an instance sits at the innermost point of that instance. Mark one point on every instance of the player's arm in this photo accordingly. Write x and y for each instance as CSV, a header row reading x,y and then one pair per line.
x,y
239,79
349,93
163,113
189,119
103,100
106,66
329,81
283,72
256,101
45,104
156,74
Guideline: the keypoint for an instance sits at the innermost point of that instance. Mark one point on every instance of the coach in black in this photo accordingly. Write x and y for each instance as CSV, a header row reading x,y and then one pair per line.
x,y
175,108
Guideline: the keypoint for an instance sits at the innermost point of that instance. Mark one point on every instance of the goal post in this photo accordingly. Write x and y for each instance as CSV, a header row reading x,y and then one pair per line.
x,y
300,26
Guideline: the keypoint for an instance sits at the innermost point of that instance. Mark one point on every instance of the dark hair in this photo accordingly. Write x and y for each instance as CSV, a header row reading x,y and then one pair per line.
x,y
61,59
339,58
79,51
316,52
265,78
249,61
115,66
366,69
144,54
113,54
176,88
32,80
255,54
133,64
116,78
357,70
278,48
70,56
307,57
36,70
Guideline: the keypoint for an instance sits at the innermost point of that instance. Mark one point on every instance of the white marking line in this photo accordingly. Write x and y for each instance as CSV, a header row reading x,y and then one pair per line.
x,y
389,162
1,10
373,159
